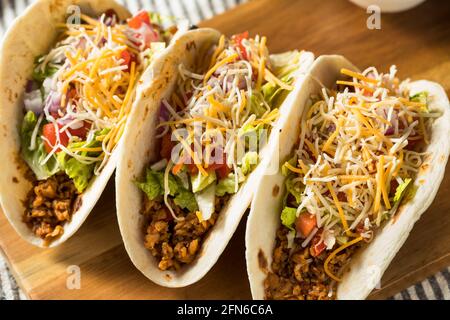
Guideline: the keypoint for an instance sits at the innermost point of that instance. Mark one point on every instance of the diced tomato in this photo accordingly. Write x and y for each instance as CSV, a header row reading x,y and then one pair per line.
x,y
146,35
192,168
305,223
82,131
317,247
238,39
128,57
140,18
220,166
55,114
412,144
49,132
177,168
166,146
223,171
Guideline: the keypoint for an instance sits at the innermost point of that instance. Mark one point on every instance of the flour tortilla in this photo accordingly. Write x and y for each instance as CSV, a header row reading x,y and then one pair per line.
x,y
32,34
369,264
140,152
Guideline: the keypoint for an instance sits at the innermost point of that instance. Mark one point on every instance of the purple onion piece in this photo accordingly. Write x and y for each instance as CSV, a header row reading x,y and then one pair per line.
x,y
389,131
102,42
31,86
81,44
53,102
111,17
66,120
164,114
331,128
33,101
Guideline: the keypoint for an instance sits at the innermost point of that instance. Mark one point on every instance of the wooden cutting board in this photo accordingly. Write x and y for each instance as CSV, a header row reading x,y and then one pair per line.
x,y
416,41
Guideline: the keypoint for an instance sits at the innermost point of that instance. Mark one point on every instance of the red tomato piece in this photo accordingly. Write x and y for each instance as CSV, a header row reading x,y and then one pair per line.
x,y
192,168
223,171
317,247
82,131
140,18
49,132
238,39
305,223
128,57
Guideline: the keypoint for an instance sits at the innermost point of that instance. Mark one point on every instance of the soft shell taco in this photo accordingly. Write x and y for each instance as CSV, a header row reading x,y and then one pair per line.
x,y
365,161
189,170
69,72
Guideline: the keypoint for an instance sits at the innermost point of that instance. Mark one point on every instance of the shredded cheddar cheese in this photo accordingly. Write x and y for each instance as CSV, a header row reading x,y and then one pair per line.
x,y
353,152
98,65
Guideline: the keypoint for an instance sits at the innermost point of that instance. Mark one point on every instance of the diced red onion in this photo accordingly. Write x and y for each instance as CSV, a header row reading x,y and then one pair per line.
x,y
53,101
164,114
68,119
30,86
331,128
389,131
81,44
102,42
33,101
111,17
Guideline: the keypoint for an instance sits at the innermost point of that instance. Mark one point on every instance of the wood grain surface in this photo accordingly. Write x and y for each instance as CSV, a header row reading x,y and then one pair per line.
x,y
417,41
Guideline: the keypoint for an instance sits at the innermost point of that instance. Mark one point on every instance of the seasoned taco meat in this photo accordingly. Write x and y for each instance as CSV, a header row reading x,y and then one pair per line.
x,y
298,275
354,165
175,243
49,205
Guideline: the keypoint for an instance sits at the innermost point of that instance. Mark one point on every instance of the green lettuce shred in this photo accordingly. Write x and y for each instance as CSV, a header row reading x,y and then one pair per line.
x,y
200,182
400,191
153,186
34,157
249,162
288,216
226,185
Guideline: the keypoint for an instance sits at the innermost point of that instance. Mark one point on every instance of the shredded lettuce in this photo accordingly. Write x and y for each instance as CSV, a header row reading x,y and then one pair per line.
x,y
288,216
226,185
249,162
80,173
40,75
250,129
186,199
34,157
150,185
273,93
294,190
174,185
256,104
400,191
153,186
200,182
284,170
420,97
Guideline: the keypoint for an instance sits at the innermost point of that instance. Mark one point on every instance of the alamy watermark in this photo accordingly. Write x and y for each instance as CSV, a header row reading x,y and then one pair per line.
x,y
73,281
373,22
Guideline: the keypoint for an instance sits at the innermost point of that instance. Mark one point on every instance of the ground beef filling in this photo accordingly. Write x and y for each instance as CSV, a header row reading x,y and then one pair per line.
x,y
49,205
296,275
175,243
